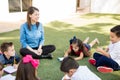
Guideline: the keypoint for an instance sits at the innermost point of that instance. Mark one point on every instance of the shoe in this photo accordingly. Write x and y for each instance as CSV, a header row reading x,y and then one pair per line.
x,y
49,56
104,69
92,61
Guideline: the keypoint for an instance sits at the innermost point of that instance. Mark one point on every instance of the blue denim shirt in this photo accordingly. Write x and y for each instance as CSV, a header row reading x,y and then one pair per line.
x,y
33,37
5,61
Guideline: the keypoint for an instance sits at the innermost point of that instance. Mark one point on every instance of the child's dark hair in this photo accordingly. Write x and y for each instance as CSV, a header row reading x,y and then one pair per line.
x,y
68,63
116,30
1,66
80,44
26,72
4,46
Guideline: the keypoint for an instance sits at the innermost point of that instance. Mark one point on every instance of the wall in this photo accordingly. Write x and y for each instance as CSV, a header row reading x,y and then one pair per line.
x,y
55,9
9,17
105,6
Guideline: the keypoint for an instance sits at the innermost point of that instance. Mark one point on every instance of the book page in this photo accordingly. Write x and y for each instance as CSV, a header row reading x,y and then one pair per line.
x,y
9,69
7,77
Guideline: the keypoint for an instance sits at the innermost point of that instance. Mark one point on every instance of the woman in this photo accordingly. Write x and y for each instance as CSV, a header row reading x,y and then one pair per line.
x,y
32,37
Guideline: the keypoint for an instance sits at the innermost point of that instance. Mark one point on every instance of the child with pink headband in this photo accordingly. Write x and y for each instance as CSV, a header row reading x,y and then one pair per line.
x,y
27,69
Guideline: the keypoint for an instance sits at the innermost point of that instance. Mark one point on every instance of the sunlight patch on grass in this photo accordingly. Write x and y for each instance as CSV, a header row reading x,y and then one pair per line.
x,y
60,28
8,38
98,15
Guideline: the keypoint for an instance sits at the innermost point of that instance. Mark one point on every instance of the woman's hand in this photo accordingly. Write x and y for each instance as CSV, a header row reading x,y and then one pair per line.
x,y
39,51
36,51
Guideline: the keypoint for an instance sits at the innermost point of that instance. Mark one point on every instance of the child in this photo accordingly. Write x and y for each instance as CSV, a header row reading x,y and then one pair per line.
x,y
8,56
1,69
73,71
79,48
109,60
27,69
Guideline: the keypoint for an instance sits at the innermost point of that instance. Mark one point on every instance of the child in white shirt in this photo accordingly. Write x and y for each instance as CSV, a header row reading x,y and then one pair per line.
x,y
108,60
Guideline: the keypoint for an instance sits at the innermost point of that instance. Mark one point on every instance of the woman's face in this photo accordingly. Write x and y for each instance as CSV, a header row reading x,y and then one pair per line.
x,y
34,17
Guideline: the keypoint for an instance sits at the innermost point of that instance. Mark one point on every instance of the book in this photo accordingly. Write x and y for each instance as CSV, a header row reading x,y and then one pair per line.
x,y
9,69
8,77
82,73
60,58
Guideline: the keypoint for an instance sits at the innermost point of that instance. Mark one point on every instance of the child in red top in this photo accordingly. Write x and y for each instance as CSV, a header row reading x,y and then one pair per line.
x,y
79,48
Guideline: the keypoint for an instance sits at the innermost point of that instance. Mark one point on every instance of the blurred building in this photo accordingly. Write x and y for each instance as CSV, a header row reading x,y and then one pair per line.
x,y
15,10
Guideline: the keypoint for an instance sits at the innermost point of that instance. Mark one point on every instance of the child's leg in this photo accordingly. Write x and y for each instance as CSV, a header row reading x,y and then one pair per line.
x,y
105,61
86,40
97,56
94,42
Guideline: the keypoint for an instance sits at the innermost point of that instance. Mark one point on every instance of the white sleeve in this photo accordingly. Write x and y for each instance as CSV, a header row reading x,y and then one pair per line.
x,y
115,51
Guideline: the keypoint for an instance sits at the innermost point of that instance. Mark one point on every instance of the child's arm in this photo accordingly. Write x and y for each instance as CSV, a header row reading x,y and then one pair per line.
x,y
67,52
80,57
16,61
103,51
106,49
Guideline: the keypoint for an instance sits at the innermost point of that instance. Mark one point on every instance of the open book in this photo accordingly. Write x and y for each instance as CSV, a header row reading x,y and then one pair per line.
x,y
9,69
7,77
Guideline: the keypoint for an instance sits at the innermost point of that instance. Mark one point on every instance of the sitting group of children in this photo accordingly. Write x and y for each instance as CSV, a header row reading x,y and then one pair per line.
x,y
105,60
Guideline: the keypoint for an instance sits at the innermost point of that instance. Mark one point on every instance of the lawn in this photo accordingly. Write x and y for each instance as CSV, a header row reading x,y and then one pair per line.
x,y
59,33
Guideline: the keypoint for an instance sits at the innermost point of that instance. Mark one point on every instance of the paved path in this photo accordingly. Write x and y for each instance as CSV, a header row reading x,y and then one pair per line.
x,y
9,26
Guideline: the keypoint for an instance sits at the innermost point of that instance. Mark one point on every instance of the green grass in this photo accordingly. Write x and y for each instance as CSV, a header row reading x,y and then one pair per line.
x,y
59,33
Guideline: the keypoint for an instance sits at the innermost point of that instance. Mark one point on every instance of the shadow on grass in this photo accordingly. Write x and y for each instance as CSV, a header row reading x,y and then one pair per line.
x,y
61,26
65,32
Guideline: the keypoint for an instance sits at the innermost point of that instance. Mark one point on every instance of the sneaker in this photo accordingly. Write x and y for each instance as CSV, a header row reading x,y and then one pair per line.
x,y
92,61
104,69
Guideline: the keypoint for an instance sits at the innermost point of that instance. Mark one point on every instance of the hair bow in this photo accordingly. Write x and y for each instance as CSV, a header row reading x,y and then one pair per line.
x,y
71,40
29,59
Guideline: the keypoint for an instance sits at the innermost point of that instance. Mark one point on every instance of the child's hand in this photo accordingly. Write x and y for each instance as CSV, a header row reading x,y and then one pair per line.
x,y
66,77
15,66
8,64
99,50
65,55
